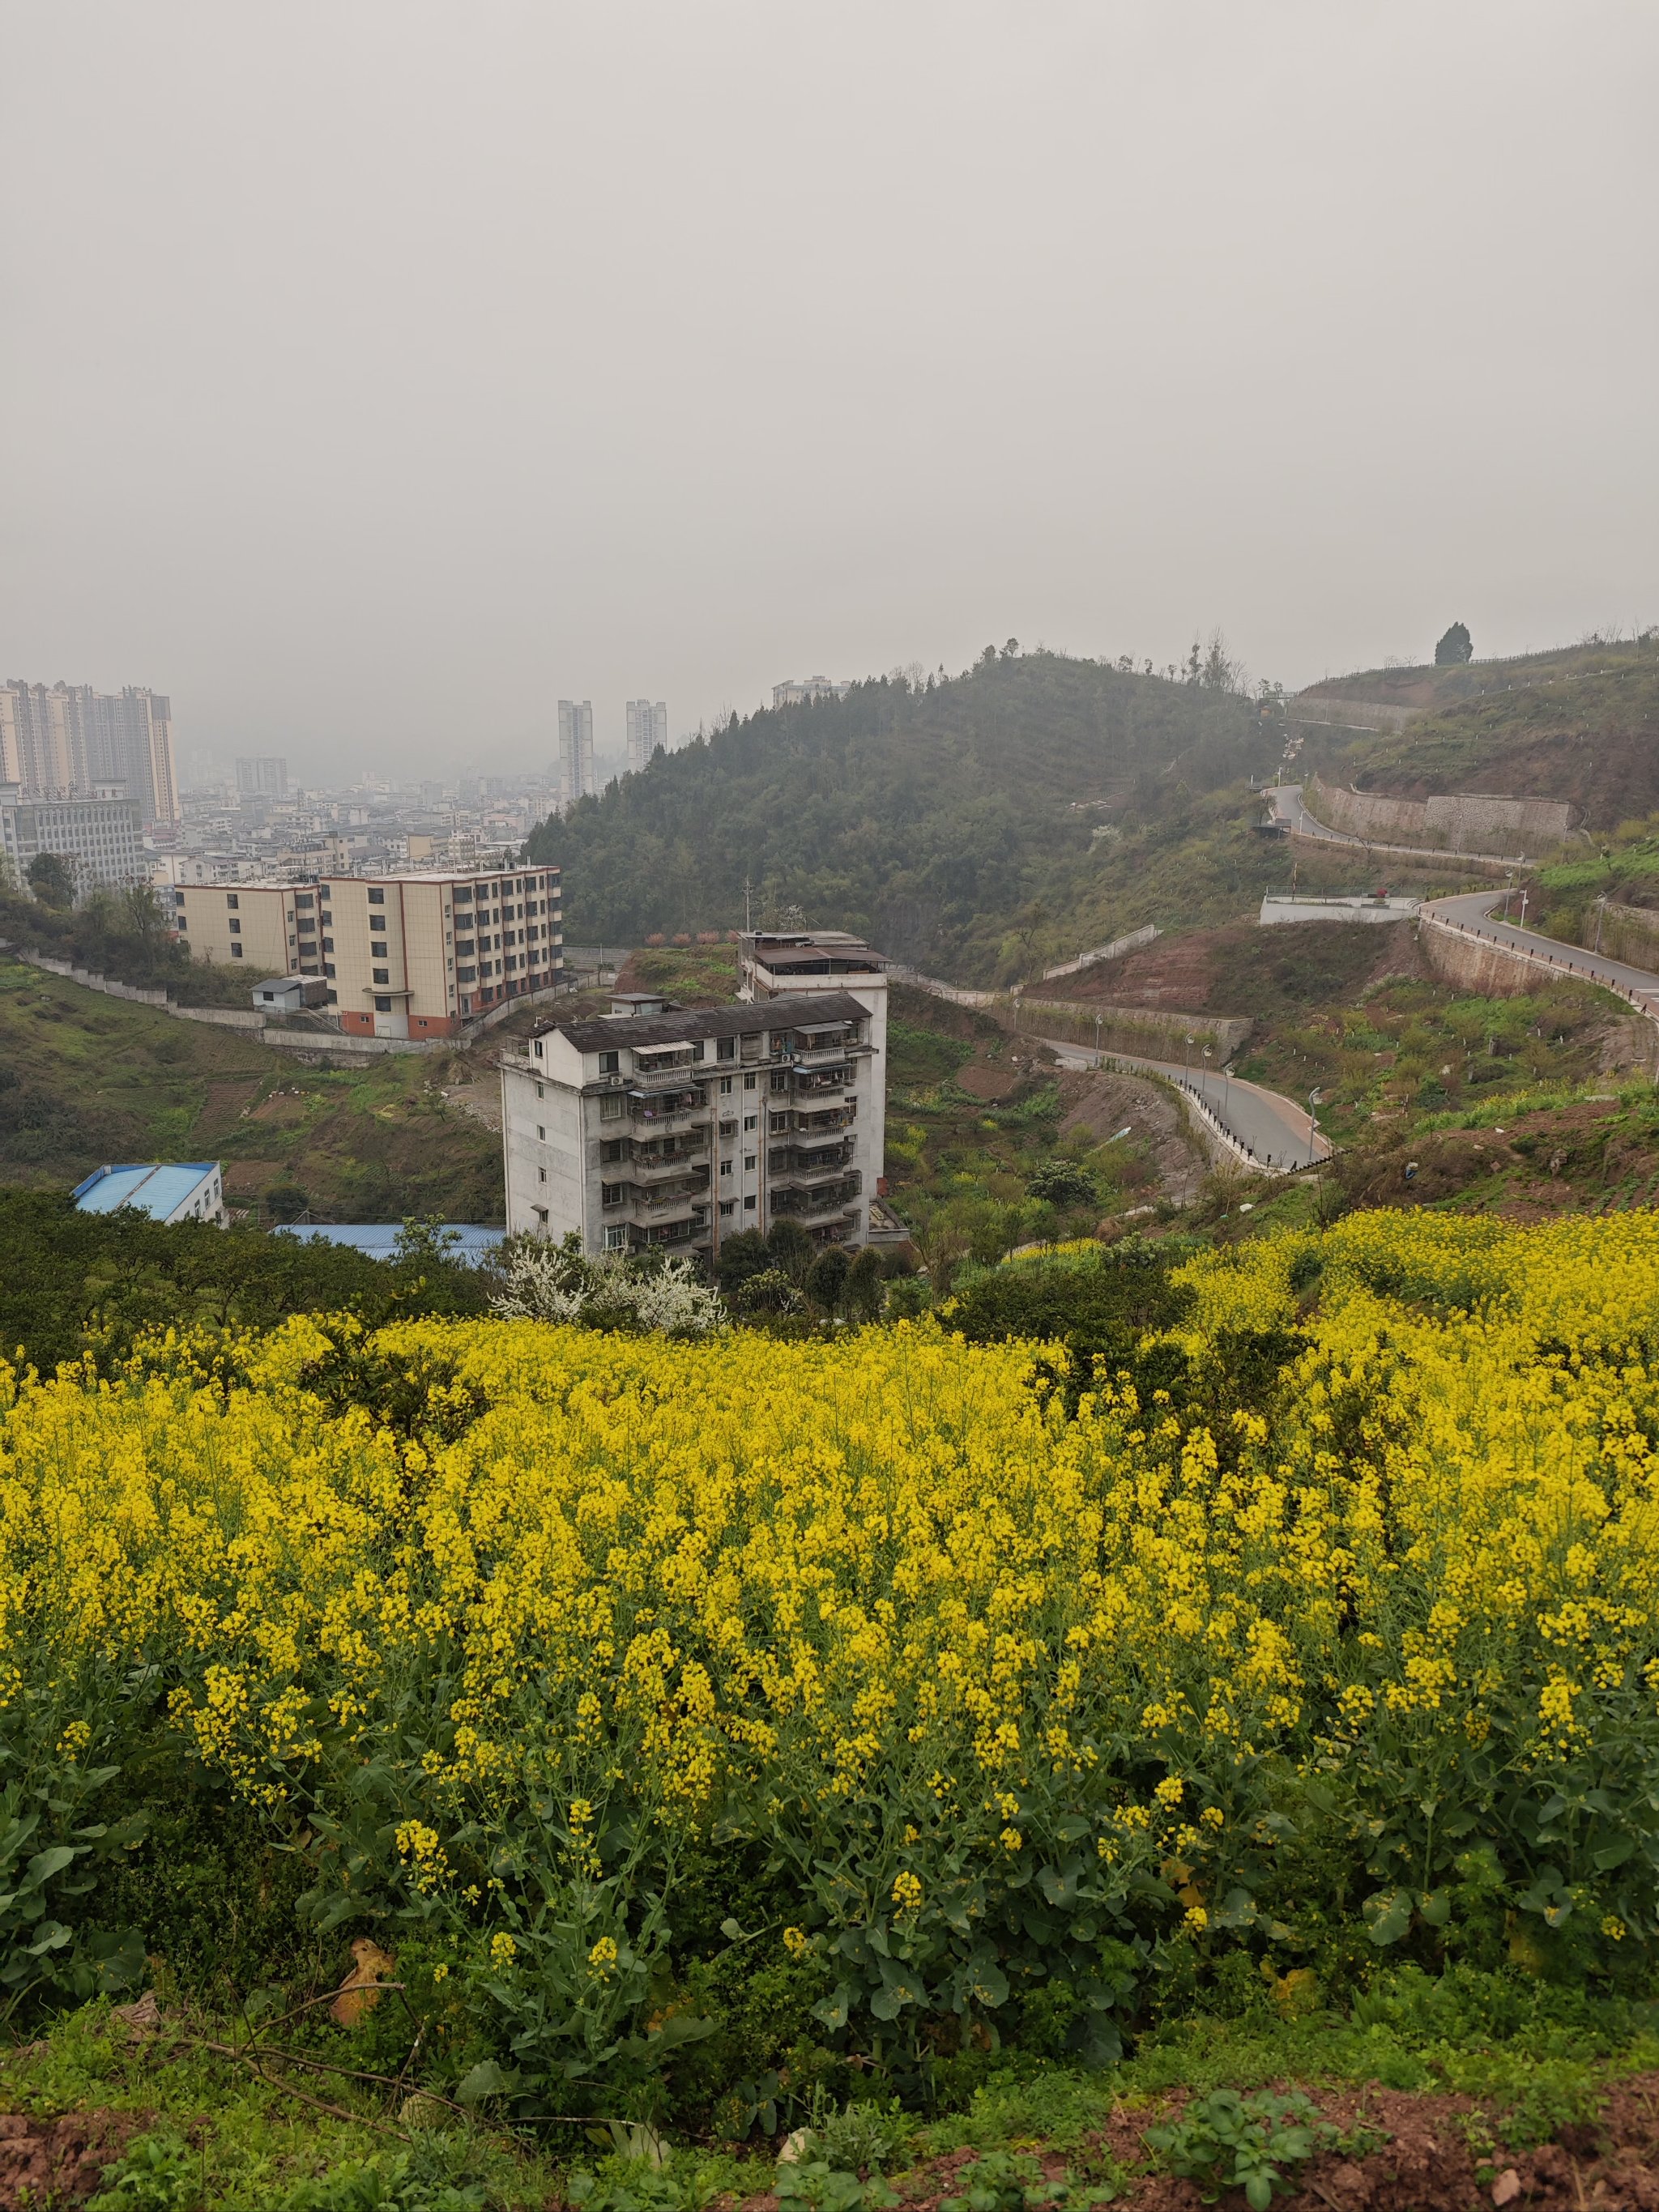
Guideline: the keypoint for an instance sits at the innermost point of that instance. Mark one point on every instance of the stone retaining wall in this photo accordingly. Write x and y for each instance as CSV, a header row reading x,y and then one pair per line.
x,y
1460,822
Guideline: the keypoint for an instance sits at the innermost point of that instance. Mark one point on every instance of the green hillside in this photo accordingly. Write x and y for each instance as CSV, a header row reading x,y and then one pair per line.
x,y
956,820
1581,725
86,1079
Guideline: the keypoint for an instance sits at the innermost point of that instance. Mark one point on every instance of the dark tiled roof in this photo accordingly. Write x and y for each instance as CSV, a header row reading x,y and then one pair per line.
x,y
607,1032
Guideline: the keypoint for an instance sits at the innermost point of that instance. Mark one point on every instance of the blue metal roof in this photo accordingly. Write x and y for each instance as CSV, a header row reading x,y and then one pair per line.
x,y
155,1188
378,1239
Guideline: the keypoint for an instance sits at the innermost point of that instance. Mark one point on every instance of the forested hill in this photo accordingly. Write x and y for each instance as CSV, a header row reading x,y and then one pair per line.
x,y
930,815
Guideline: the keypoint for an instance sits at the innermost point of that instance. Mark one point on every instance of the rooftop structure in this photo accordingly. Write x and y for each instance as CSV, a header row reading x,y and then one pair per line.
x,y
189,1190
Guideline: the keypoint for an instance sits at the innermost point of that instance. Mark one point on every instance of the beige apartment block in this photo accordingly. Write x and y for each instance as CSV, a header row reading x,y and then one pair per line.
x,y
414,956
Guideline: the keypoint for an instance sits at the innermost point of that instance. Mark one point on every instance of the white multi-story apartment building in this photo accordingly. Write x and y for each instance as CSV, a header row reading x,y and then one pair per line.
x,y
800,690
647,732
68,741
576,778
658,1126
414,956
99,837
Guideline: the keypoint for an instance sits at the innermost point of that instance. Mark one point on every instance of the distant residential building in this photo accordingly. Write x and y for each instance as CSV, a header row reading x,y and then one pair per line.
x,y
67,740
411,956
191,1190
647,732
656,1126
99,837
266,774
800,689
576,778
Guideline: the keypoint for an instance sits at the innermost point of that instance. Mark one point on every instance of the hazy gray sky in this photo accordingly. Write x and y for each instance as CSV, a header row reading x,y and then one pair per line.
x,y
375,371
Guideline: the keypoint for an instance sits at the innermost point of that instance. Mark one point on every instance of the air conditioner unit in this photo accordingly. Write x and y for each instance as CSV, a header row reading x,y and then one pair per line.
x,y
617,1081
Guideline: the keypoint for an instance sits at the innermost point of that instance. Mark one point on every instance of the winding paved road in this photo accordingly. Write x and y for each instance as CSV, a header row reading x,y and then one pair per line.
x,y
1273,1129
1471,912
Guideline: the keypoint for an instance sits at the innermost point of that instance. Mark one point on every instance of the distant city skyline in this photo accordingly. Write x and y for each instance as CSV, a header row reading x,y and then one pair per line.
x,y
971,366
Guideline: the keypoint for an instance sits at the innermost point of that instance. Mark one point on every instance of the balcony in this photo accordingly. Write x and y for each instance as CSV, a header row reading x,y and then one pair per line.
x,y
665,1108
815,1081
808,1162
692,1233
810,1205
671,1156
827,1118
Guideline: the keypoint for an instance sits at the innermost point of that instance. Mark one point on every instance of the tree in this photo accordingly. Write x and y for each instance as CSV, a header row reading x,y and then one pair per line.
x,y
1453,647
826,1278
141,918
790,1248
52,878
1063,1182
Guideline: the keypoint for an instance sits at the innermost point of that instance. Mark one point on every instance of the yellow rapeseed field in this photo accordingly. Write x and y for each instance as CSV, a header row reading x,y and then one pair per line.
x,y
519,1630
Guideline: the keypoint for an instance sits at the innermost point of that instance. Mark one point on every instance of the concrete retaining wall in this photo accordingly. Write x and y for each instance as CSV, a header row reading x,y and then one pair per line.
x,y
1461,821
1349,713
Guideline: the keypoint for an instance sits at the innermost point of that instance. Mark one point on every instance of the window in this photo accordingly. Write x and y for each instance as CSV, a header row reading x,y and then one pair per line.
x,y
616,1236
327,918
235,951
725,1086
728,1207
748,1082
751,1122
383,1005
381,976
611,1106
377,952
328,944
725,1170
541,1215
726,1049
541,1088
231,899
328,968
779,1125
541,1134
541,1174
235,928
749,1203
780,1079
610,1062
377,898
466,975
612,1193
611,1151
304,898
333,996
463,895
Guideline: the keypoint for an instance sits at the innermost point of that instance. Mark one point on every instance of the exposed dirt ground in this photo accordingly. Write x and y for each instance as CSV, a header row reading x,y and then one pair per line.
x,y
1440,2155
58,2162
1244,969
1104,1103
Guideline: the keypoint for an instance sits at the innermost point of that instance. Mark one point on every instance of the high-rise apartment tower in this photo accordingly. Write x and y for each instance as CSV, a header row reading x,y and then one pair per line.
x,y
576,778
265,777
647,732
68,741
